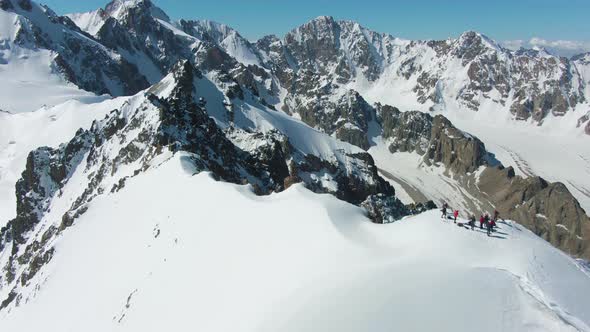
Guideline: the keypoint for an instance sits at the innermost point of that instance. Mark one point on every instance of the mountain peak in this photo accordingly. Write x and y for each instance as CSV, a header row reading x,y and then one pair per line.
x,y
319,22
323,18
471,38
119,9
583,57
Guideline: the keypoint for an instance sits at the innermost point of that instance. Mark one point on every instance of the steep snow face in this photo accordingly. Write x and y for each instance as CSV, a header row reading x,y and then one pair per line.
x,y
203,251
26,72
93,21
120,8
29,80
51,51
225,37
90,22
582,64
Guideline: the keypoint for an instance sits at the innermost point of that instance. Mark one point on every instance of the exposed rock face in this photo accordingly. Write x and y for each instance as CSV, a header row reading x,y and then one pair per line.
x,y
384,209
348,117
585,120
408,131
137,31
460,152
548,209
6,5
433,137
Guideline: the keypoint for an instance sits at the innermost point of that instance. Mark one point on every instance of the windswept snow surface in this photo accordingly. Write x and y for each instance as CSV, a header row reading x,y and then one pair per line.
x,y
175,251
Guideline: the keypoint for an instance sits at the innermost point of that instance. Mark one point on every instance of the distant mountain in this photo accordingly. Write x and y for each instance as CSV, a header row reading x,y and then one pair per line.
x,y
325,57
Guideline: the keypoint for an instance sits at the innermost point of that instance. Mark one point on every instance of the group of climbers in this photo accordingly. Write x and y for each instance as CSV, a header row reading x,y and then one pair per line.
x,y
484,220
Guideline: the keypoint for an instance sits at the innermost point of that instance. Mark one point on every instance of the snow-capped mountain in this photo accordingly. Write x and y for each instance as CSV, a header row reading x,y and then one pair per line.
x,y
363,122
35,35
326,57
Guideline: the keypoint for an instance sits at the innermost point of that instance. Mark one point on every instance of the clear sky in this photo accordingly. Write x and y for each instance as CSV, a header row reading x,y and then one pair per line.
x,y
417,19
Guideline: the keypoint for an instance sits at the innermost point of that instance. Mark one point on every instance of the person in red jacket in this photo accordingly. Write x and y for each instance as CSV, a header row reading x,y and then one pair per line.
x,y
456,214
481,221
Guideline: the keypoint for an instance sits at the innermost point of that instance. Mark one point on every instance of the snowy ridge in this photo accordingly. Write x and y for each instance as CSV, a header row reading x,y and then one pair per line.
x,y
510,282
58,184
224,36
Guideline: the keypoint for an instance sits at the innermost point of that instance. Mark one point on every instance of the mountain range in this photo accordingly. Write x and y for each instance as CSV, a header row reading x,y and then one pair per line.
x,y
392,127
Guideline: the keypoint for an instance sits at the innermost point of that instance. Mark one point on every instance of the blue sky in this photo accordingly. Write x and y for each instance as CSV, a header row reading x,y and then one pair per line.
x,y
418,19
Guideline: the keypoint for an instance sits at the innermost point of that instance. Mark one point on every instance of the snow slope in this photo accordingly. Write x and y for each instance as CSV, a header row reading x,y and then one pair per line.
x,y
90,22
27,82
27,79
173,251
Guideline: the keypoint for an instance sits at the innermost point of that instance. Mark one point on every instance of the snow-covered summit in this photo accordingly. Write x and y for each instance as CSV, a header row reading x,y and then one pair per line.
x,y
119,8
225,37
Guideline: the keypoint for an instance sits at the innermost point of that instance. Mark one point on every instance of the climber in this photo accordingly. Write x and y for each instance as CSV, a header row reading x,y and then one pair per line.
x,y
493,225
489,227
472,221
444,211
455,214
496,215
481,221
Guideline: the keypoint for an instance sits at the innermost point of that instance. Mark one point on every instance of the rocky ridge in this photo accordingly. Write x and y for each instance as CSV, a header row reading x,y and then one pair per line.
x,y
58,184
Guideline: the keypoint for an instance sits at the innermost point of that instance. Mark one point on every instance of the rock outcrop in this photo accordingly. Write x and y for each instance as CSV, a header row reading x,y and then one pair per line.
x,y
436,138
548,209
